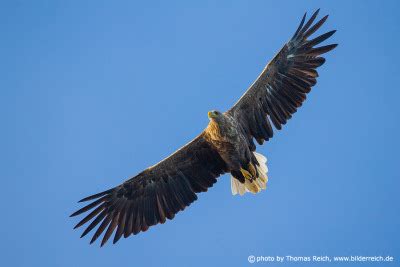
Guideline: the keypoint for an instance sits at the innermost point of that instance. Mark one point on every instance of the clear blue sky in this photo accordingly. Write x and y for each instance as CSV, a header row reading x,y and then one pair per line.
x,y
93,92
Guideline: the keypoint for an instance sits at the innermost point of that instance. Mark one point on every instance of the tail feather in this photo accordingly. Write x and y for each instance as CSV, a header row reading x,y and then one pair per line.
x,y
237,187
257,184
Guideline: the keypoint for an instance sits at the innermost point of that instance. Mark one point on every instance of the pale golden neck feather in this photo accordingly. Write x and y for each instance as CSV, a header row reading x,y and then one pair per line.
x,y
213,130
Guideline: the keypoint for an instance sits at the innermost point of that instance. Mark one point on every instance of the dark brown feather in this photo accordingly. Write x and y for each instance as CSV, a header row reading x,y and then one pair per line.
x,y
308,24
95,222
121,226
321,50
315,27
101,228
91,215
89,207
320,39
111,228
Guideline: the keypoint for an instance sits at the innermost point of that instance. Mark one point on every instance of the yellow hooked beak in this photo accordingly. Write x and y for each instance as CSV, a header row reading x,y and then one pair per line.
x,y
211,114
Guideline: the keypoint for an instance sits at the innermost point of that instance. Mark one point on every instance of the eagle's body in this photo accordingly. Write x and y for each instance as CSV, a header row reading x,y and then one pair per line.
x,y
226,136
225,146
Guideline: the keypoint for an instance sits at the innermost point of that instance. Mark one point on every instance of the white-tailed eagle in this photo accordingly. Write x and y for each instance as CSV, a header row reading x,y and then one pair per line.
x,y
225,146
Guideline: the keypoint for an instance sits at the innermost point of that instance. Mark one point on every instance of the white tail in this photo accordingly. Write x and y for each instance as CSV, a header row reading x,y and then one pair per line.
x,y
258,184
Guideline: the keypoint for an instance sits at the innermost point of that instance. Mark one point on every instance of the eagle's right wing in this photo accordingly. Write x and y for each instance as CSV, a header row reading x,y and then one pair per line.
x,y
155,194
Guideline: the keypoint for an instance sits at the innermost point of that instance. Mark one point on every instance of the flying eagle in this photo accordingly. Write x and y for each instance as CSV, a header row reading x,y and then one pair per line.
x,y
225,146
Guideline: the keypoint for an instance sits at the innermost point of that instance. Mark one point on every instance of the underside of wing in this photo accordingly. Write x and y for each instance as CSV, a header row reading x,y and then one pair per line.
x,y
283,85
154,195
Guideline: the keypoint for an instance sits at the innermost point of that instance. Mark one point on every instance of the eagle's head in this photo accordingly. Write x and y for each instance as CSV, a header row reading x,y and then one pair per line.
x,y
215,115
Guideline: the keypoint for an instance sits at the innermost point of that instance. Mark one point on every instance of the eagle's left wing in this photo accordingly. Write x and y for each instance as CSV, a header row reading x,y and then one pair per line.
x,y
154,195
282,86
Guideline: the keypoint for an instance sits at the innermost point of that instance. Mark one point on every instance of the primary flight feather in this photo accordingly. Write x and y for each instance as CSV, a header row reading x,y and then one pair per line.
x,y
225,146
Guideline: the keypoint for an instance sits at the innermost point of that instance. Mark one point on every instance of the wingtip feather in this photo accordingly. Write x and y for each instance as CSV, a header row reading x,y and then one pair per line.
x,y
300,26
95,196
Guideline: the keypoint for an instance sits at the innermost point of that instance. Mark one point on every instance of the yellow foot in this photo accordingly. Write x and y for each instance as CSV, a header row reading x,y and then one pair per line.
x,y
252,170
246,174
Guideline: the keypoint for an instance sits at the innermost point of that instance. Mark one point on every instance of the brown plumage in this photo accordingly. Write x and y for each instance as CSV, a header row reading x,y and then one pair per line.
x,y
226,145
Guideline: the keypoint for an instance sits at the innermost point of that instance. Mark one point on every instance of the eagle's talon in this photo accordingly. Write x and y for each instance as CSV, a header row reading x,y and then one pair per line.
x,y
252,170
246,174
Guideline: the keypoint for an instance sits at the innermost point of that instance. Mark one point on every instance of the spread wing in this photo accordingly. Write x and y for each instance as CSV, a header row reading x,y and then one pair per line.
x,y
282,86
154,195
